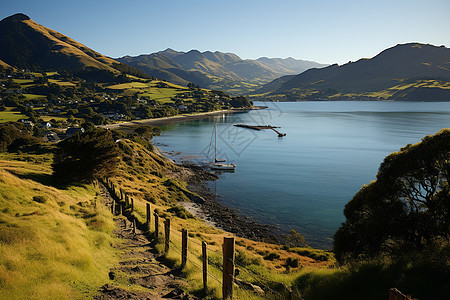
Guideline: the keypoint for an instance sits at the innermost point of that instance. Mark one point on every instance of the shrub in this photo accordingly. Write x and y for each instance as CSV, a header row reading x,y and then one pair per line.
x,y
272,256
243,260
292,262
180,212
39,199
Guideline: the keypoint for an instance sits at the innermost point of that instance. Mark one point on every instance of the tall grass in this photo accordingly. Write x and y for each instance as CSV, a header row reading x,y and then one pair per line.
x,y
422,278
57,247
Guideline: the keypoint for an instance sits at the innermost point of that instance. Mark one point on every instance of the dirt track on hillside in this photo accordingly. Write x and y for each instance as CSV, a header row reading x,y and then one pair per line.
x,y
140,273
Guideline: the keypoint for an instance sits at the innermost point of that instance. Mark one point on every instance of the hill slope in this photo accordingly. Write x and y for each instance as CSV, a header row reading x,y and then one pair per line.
x,y
395,73
216,70
29,45
54,243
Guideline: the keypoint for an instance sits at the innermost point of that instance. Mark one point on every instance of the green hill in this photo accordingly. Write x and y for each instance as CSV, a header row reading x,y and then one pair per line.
x,y
216,70
405,72
33,46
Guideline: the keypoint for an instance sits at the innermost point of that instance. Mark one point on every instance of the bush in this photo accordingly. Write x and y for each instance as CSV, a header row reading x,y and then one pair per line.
x,y
272,256
313,253
292,262
39,199
180,212
243,260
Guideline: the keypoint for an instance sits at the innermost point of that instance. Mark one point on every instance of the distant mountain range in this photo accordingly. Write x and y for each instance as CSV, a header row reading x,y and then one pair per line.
x,y
410,71
216,70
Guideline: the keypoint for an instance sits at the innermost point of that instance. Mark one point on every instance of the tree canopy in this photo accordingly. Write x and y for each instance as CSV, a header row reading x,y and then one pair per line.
x,y
406,209
13,136
85,157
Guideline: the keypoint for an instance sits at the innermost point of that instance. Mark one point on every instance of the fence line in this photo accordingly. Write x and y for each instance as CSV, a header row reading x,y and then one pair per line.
x,y
126,202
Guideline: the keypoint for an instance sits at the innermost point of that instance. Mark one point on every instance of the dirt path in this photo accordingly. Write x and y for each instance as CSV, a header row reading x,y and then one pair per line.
x,y
140,273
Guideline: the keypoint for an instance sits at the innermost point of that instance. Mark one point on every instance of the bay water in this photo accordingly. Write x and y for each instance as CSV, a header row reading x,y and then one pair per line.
x,y
302,181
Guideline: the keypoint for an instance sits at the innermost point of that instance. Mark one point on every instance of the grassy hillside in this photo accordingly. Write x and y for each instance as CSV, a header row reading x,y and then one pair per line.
x,y
409,67
31,44
36,47
4,65
54,243
57,242
164,188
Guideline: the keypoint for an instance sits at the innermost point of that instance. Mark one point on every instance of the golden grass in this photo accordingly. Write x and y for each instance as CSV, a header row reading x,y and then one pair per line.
x,y
61,83
54,244
131,85
33,96
69,47
147,176
8,115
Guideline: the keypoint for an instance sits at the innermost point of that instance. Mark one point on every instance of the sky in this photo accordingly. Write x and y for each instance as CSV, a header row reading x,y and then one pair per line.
x,y
325,31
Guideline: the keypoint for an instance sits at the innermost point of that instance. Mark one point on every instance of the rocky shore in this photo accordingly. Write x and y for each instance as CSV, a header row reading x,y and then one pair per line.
x,y
214,213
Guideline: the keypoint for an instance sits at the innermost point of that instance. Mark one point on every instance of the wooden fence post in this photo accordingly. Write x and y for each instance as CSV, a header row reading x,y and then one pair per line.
x,y
184,247
167,235
156,225
149,216
205,266
228,267
132,204
134,225
121,209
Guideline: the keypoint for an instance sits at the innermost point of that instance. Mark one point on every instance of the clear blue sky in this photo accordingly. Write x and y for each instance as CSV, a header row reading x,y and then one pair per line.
x,y
325,31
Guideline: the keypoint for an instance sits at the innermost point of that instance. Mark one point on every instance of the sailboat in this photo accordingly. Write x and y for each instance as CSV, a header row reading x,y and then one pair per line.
x,y
220,164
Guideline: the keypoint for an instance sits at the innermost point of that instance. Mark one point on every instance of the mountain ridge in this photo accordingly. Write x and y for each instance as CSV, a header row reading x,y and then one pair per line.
x,y
33,44
398,65
216,70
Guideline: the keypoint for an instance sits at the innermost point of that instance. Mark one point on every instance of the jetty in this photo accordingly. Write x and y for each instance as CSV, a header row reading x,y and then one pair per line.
x,y
261,127
255,127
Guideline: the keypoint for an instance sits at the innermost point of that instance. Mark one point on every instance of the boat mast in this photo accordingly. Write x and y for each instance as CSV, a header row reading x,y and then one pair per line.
x,y
215,141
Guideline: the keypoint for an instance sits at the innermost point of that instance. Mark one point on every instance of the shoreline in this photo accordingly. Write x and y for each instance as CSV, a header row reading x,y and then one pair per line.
x,y
213,213
179,118
205,206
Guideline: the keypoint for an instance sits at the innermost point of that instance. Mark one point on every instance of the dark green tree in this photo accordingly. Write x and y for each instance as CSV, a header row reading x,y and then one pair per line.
x,y
14,136
240,102
406,209
86,157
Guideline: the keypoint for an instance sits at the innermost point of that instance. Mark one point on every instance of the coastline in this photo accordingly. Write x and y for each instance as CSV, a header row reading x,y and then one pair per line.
x,y
179,118
205,206
213,213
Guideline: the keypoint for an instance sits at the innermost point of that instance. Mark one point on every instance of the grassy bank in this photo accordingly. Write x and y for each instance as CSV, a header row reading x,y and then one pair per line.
x,y
57,242
54,243
149,178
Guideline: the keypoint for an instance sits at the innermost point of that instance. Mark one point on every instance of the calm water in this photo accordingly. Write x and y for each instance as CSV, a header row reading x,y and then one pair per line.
x,y
304,180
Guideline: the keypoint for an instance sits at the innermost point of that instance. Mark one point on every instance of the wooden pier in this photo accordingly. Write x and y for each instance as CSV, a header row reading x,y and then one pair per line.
x,y
261,127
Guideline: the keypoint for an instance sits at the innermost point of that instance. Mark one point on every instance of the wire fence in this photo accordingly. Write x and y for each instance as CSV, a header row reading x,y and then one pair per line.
x,y
123,200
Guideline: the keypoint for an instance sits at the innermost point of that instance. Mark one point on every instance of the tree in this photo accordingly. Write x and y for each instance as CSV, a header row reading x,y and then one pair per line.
x,y
240,102
13,137
406,209
295,239
86,157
